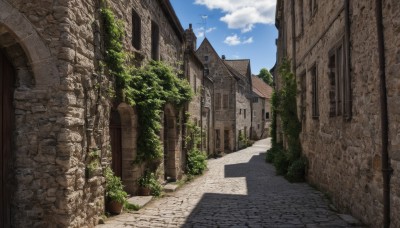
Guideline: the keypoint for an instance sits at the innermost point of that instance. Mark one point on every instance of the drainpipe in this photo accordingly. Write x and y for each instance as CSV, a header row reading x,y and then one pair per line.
x,y
386,168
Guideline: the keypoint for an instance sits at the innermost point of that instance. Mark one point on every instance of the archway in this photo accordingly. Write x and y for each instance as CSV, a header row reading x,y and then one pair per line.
x,y
128,129
170,145
7,78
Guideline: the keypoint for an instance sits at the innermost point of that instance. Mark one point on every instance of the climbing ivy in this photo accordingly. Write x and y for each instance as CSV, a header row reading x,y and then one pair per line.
x,y
153,86
197,159
148,88
288,161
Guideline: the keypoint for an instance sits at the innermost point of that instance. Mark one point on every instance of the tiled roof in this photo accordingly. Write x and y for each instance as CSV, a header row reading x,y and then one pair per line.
x,y
240,65
261,88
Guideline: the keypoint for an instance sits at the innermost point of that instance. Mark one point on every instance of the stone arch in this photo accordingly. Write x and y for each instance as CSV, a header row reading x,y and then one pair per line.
x,y
171,150
14,24
129,122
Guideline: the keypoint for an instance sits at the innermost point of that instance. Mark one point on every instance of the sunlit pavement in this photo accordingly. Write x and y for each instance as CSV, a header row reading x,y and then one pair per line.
x,y
238,190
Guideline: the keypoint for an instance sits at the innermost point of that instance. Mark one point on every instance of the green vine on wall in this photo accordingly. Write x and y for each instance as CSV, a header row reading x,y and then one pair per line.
x,y
197,159
148,88
288,161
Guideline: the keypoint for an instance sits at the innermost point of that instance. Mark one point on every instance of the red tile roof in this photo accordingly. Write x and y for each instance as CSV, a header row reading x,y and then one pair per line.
x,y
261,88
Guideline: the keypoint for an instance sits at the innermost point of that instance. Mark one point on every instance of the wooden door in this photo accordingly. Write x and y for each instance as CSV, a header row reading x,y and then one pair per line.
x,y
116,143
226,140
6,120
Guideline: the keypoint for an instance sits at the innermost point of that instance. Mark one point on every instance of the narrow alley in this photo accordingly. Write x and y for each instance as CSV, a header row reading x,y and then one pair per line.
x,y
239,190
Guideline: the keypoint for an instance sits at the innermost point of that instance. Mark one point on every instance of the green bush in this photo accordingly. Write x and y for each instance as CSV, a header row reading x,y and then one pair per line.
x,y
296,170
114,188
149,180
281,162
270,156
197,162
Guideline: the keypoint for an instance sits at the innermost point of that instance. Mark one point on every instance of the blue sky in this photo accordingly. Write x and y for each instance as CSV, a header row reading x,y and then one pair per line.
x,y
238,29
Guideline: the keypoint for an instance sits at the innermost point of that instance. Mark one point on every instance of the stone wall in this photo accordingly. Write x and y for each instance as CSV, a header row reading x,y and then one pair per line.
x,y
62,106
345,155
243,110
258,118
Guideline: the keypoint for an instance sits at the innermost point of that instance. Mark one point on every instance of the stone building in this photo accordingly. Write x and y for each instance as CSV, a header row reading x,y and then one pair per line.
x,y
261,100
232,90
58,115
243,105
200,109
342,56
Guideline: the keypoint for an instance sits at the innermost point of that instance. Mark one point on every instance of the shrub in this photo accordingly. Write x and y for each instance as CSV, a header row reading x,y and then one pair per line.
x,y
296,170
197,162
149,180
114,188
281,162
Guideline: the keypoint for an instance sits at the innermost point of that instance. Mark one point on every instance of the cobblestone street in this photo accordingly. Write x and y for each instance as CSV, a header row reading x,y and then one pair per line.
x,y
239,190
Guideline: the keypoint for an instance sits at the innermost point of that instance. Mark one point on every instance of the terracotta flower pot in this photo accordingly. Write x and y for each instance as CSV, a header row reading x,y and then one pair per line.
x,y
114,207
145,191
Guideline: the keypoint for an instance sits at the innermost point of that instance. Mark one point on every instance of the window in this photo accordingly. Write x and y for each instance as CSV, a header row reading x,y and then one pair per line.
x,y
267,115
258,126
136,30
244,113
263,112
339,83
217,139
254,113
218,101
225,101
206,58
314,81
240,111
155,39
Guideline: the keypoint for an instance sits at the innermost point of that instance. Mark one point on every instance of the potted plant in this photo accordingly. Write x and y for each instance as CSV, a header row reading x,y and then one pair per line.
x,y
149,185
115,194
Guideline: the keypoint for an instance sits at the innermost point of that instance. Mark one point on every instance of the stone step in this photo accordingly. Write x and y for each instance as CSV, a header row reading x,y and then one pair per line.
x,y
170,187
140,201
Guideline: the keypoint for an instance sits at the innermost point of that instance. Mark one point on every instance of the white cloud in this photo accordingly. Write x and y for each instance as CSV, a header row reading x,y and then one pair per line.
x,y
248,41
243,14
232,40
200,32
236,40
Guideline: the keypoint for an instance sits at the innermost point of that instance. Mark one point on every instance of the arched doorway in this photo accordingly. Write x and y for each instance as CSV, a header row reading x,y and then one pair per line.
x,y
116,142
6,125
170,142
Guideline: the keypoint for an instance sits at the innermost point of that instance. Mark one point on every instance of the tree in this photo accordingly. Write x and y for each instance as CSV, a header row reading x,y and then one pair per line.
x,y
266,76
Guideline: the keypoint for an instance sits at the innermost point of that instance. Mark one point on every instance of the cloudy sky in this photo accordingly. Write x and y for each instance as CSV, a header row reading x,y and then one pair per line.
x,y
238,29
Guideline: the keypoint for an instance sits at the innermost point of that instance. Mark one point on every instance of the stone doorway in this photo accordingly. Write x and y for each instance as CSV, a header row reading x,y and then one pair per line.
x,y
116,142
226,141
170,152
6,126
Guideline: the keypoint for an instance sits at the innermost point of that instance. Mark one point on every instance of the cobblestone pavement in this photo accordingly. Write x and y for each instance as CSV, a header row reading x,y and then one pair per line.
x,y
239,190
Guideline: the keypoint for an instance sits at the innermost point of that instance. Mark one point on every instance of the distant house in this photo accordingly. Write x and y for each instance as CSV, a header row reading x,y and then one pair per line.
x,y
232,92
261,100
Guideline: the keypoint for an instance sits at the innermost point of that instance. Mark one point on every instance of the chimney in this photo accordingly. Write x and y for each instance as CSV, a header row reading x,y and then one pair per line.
x,y
190,26
223,57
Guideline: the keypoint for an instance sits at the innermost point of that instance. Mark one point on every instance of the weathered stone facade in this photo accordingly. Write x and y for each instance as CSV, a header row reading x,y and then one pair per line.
x,y
200,109
261,100
62,110
339,104
232,93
